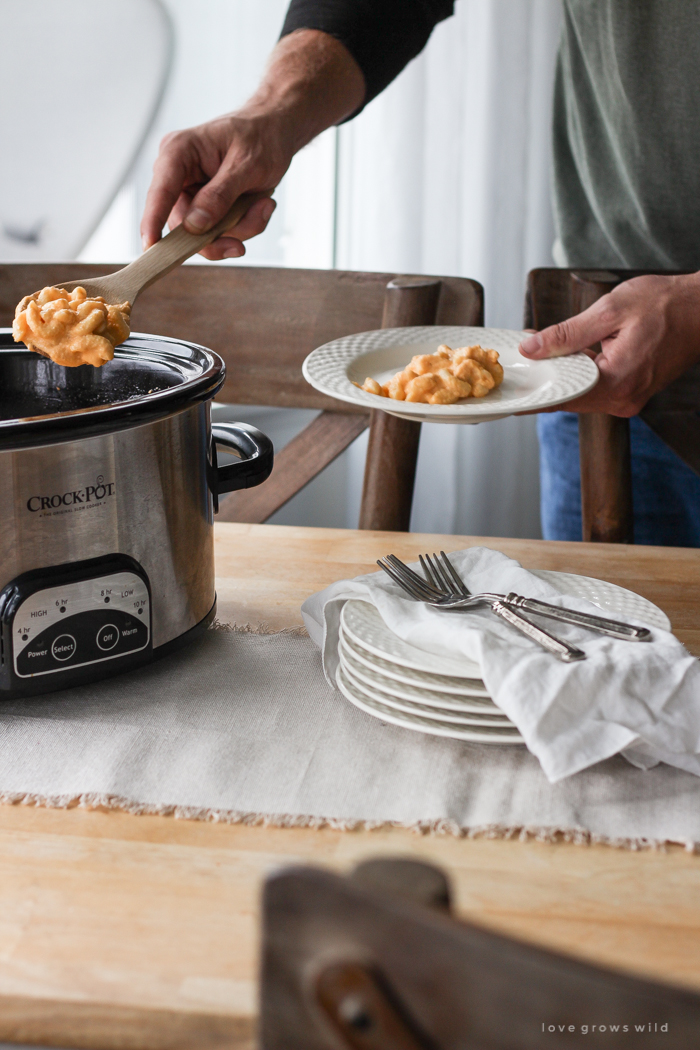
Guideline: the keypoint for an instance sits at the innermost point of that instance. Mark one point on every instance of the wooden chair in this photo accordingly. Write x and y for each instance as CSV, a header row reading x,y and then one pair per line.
x,y
377,962
553,295
264,322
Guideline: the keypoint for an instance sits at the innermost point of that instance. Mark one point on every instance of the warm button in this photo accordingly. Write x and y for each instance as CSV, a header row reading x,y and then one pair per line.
x,y
107,637
63,647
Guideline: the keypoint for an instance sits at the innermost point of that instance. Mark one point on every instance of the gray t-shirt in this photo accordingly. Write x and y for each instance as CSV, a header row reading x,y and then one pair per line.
x,y
627,134
626,116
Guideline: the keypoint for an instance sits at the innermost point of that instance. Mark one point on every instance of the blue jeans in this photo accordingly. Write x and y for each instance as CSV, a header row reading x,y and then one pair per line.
x,y
665,492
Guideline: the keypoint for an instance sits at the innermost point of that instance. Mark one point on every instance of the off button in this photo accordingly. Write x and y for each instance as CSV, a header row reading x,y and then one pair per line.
x,y
107,637
63,647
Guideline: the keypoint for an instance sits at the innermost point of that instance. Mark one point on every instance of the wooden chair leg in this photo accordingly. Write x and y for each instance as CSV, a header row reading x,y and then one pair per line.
x,y
390,473
392,452
606,479
604,446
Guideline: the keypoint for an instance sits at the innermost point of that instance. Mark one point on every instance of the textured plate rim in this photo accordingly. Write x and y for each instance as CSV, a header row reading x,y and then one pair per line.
x,y
473,688
488,736
487,719
553,575
378,339
408,660
463,704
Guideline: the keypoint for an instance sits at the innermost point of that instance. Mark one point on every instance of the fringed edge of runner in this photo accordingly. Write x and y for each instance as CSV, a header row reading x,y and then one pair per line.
x,y
578,836
262,628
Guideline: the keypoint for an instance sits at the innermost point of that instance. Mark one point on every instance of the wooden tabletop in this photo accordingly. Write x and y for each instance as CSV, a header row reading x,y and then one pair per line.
x,y
139,931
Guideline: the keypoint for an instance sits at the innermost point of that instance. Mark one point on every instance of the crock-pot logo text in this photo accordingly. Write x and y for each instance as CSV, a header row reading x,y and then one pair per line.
x,y
96,493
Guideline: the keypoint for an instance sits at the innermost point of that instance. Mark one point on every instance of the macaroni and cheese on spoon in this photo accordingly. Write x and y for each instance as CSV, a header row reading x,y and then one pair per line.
x,y
82,321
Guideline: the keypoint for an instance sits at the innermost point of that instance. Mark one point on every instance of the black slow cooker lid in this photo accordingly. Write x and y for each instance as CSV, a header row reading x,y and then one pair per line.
x,y
150,377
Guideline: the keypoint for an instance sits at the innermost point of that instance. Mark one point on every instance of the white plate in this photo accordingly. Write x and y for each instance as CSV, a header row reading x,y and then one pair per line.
x,y
460,716
474,734
438,683
364,626
527,385
616,601
373,679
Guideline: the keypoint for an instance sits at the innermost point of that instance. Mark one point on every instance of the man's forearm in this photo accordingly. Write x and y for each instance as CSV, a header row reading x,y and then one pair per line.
x,y
381,35
311,83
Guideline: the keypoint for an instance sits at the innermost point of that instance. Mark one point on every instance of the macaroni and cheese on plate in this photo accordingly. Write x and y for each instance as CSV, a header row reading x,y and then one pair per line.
x,y
442,378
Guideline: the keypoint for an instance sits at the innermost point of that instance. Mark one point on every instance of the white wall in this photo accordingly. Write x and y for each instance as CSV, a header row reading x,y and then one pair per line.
x,y
221,47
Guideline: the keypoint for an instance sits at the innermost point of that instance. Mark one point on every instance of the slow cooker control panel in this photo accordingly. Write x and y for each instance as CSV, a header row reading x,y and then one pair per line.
x,y
81,619
80,623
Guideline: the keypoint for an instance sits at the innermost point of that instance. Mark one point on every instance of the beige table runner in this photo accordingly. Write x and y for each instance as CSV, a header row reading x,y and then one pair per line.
x,y
243,727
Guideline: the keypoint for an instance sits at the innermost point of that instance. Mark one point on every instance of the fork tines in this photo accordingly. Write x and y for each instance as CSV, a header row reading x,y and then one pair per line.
x,y
441,579
407,579
441,572
456,578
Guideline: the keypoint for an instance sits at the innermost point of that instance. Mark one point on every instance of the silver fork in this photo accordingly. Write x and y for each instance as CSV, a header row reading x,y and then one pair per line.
x,y
427,593
445,579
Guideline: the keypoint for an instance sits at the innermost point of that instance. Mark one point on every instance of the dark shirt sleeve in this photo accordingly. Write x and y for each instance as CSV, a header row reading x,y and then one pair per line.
x,y
381,35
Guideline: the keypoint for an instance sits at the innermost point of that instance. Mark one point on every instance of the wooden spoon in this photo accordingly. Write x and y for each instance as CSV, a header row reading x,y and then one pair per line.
x,y
125,284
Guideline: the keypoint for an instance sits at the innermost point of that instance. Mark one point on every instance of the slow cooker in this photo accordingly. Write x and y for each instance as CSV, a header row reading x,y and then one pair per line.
x,y
108,487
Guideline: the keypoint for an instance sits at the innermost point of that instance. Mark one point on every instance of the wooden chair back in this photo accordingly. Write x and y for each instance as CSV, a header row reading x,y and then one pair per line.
x,y
553,295
263,322
377,962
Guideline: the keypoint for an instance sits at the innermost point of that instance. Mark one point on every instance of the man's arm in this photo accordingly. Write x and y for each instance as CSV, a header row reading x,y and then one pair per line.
x,y
334,57
311,83
381,35
649,330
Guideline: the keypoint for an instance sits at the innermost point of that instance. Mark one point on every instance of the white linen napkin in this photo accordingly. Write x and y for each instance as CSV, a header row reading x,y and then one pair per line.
x,y
638,698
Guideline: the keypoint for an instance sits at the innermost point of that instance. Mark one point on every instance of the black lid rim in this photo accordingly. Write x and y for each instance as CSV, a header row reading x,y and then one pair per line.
x,y
202,371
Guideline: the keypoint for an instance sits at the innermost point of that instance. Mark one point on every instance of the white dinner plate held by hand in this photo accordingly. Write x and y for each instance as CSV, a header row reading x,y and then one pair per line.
x,y
528,386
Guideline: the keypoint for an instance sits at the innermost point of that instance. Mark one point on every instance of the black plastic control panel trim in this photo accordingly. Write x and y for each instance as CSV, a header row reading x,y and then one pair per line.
x,y
63,624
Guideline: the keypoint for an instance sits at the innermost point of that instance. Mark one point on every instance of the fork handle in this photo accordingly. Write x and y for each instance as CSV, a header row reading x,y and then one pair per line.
x,y
613,628
567,653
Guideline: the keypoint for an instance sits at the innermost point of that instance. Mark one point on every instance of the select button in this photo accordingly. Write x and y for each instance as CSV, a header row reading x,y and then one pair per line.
x,y
63,647
107,637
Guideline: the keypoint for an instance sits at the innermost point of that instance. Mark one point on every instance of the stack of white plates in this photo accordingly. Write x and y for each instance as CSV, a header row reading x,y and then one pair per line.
x,y
392,680
398,683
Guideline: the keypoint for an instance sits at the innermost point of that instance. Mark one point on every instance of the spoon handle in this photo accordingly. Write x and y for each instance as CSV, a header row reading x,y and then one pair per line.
x,y
173,249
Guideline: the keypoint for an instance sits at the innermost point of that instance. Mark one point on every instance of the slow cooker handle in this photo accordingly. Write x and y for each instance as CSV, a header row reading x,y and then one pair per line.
x,y
254,448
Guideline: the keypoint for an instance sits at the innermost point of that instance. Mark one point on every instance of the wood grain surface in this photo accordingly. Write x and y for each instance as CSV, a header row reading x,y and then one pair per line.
x,y
136,931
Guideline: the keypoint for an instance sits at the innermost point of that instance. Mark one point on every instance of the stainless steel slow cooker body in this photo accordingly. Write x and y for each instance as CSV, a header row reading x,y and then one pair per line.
x,y
108,483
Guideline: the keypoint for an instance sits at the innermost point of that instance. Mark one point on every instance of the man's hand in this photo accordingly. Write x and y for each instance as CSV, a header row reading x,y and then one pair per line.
x,y
311,83
649,331
200,172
